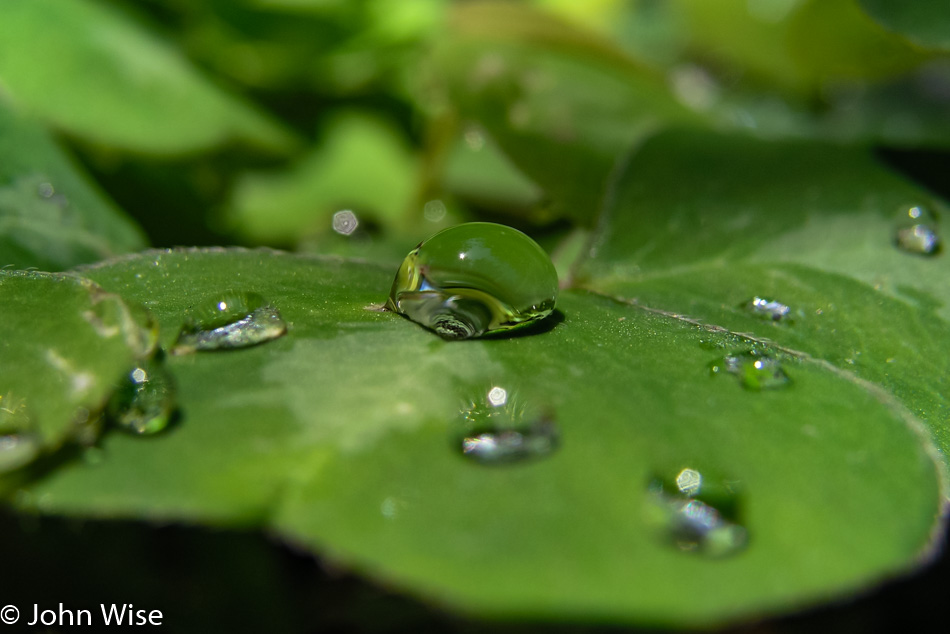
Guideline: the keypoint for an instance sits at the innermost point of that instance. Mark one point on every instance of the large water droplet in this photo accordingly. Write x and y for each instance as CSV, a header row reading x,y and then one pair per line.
x,y
234,320
768,309
501,428
755,370
917,231
696,515
474,279
145,402
19,446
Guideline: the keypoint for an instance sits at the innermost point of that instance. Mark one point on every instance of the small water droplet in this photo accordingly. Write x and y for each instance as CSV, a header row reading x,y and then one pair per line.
x,y
700,517
19,445
345,222
695,87
145,402
235,320
474,138
500,428
475,279
434,210
916,231
768,309
754,369
45,190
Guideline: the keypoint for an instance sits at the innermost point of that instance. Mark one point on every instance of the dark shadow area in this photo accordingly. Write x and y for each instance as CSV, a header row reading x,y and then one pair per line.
x,y
205,580
547,324
927,167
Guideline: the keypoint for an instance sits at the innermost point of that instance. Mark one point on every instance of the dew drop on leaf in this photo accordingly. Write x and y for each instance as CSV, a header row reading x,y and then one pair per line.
x,y
753,369
916,231
145,402
768,309
695,515
19,446
499,427
231,320
475,279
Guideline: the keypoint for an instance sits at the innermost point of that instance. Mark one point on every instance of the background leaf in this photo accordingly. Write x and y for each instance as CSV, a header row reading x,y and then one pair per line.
x,y
360,163
925,23
90,70
557,100
50,215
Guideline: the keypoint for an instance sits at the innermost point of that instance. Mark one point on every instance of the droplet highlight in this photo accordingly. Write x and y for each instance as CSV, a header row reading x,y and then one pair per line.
x,y
145,402
916,231
695,515
345,222
768,309
500,428
234,320
755,370
475,279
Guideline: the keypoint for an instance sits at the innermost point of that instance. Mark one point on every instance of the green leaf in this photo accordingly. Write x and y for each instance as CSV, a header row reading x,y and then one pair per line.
x,y
476,170
796,45
344,435
361,164
105,78
561,102
701,223
66,345
925,23
51,217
